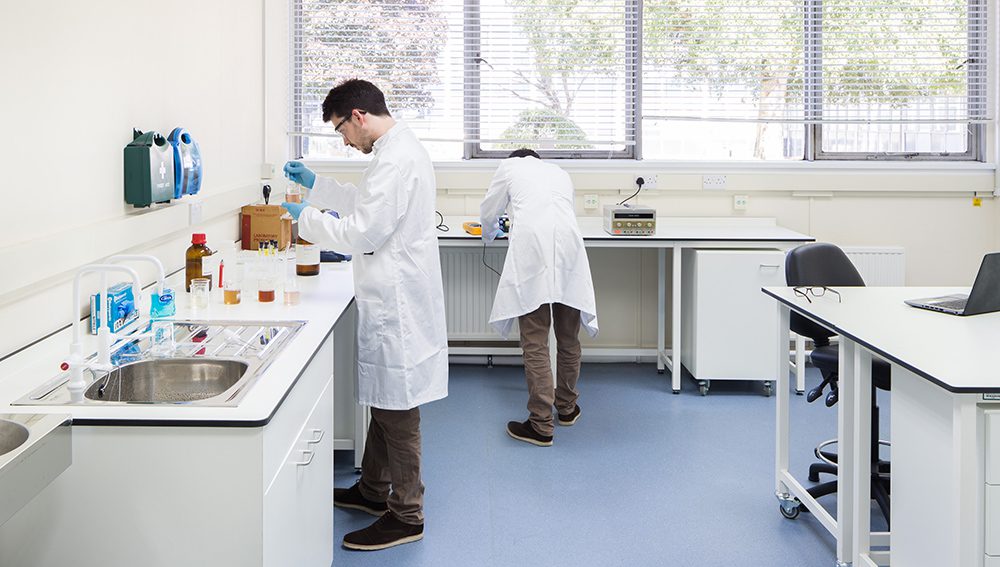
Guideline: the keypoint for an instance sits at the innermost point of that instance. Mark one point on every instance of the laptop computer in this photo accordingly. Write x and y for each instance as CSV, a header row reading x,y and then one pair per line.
x,y
983,298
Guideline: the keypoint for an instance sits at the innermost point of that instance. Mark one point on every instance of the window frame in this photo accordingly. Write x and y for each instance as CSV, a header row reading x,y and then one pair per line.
x,y
976,133
633,76
812,152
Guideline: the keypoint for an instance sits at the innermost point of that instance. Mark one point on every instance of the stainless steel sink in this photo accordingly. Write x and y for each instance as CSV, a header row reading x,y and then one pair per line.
x,y
34,450
211,363
168,380
12,436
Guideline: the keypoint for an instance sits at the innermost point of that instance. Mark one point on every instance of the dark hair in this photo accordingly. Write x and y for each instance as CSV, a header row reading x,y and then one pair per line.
x,y
524,152
351,94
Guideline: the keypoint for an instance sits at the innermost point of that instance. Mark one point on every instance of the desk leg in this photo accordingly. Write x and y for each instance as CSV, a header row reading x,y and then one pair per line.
x,y
861,385
782,411
846,450
800,364
661,309
362,417
676,368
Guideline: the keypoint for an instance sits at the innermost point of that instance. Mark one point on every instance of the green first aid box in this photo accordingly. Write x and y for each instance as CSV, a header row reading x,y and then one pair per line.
x,y
149,169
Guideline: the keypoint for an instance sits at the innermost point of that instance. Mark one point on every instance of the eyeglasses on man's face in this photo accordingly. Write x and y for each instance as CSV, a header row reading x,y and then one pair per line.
x,y
805,291
345,120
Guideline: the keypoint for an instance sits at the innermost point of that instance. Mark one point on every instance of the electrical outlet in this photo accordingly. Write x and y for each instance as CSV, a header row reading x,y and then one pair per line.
x,y
650,180
713,181
266,170
740,202
590,201
194,213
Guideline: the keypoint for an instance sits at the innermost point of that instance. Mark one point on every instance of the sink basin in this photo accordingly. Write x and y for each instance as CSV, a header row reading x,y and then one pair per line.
x,y
34,450
199,363
168,380
12,436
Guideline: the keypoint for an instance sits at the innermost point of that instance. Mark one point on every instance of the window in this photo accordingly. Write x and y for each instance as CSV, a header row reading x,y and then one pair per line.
x,y
760,80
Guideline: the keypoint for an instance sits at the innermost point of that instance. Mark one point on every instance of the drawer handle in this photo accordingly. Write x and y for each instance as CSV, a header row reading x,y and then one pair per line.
x,y
308,458
317,436
772,266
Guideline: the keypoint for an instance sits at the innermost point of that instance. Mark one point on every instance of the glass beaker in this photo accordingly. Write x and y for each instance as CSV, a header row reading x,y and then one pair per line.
x,y
291,291
163,338
199,293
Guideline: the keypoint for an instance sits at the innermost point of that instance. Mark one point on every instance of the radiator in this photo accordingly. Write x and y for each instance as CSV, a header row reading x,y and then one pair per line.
x,y
469,287
879,266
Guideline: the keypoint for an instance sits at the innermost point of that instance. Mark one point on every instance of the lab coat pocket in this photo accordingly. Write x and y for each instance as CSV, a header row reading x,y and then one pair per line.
x,y
371,325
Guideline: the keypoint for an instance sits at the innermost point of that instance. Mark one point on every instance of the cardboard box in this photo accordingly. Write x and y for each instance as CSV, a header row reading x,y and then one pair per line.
x,y
261,223
121,305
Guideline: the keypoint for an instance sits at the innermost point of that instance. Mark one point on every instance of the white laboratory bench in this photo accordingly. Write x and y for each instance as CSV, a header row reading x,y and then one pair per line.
x,y
186,485
672,233
945,426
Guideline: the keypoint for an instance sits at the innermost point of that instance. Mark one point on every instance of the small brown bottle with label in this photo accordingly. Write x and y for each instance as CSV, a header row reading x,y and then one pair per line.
x,y
193,267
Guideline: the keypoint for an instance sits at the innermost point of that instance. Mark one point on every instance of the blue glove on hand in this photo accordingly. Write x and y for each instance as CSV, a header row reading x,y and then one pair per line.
x,y
295,209
299,173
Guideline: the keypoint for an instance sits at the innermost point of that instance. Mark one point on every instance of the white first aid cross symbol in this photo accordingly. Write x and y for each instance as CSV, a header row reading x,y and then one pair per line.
x,y
163,170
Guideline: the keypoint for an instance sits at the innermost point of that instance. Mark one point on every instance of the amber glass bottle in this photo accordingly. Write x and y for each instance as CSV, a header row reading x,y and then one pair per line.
x,y
306,257
193,267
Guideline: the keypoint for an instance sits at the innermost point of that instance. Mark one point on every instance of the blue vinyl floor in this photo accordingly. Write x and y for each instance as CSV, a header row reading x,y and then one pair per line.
x,y
644,477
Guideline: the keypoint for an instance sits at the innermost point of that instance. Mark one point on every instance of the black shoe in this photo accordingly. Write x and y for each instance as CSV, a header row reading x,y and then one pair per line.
x,y
571,418
526,432
352,498
386,532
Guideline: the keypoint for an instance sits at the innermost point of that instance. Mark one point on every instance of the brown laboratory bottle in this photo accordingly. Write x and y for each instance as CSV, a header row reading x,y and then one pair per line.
x,y
193,267
306,257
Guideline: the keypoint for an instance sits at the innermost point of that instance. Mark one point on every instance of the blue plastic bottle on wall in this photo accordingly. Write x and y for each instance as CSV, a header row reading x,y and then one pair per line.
x,y
187,163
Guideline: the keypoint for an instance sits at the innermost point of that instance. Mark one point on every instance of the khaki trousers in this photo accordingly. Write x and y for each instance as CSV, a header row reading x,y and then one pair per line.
x,y
390,468
537,367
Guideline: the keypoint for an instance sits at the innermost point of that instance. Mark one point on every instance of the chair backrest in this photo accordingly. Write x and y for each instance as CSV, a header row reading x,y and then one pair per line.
x,y
815,264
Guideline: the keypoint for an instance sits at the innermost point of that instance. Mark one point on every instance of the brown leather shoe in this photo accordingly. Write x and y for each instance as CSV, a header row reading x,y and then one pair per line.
x,y
386,532
352,498
526,432
571,418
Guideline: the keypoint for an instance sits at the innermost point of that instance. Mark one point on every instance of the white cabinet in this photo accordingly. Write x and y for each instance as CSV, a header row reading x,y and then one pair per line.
x,y
728,325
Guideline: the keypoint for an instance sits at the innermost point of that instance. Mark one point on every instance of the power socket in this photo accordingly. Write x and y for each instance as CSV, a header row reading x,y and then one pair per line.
x,y
267,171
740,202
713,181
590,201
650,180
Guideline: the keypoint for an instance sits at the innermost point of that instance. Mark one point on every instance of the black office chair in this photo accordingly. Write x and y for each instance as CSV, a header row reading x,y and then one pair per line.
x,y
825,265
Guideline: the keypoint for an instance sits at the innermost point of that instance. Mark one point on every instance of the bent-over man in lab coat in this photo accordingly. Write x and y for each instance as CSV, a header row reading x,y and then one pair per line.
x,y
387,223
545,281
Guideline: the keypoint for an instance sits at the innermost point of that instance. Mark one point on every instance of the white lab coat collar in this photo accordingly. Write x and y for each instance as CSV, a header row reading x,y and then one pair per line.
x,y
391,133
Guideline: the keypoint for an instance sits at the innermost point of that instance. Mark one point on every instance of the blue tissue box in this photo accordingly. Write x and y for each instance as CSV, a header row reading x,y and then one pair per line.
x,y
121,305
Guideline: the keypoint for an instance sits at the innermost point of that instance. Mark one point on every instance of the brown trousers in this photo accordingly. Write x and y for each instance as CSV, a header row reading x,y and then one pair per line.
x,y
537,367
390,468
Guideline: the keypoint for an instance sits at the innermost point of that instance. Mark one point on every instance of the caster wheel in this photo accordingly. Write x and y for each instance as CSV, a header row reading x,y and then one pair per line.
x,y
768,389
703,388
676,392
357,470
660,370
790,512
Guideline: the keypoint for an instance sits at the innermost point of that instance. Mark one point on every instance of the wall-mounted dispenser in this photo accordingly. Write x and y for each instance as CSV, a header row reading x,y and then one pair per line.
x,y
187,163
149,169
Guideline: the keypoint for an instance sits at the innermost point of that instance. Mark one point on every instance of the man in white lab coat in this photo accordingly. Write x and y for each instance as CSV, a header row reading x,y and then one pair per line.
x,y
545,281
387,223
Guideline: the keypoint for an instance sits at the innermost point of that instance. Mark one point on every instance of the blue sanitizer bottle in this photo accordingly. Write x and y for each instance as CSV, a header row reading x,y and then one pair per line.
x,y
163,305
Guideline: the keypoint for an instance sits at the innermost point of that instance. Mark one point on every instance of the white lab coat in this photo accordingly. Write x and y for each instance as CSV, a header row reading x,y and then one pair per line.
x,y
388,225
546,261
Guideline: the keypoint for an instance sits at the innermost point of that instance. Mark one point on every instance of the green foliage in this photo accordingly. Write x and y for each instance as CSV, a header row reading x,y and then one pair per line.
x,y
543,124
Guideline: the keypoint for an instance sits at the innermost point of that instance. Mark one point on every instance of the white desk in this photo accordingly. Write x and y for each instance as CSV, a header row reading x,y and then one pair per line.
x,y
673,233
945,426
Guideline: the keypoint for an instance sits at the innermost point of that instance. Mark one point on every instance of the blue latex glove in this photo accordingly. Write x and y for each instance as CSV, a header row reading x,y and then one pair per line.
x,y
295,209
299,173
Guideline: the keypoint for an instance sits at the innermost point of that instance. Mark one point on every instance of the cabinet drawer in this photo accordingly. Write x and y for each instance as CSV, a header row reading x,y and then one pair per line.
x,y
992,451
284,427
298,505
991,526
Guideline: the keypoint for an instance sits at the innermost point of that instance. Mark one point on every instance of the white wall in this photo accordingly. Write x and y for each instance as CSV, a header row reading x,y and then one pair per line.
x,y
77,77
